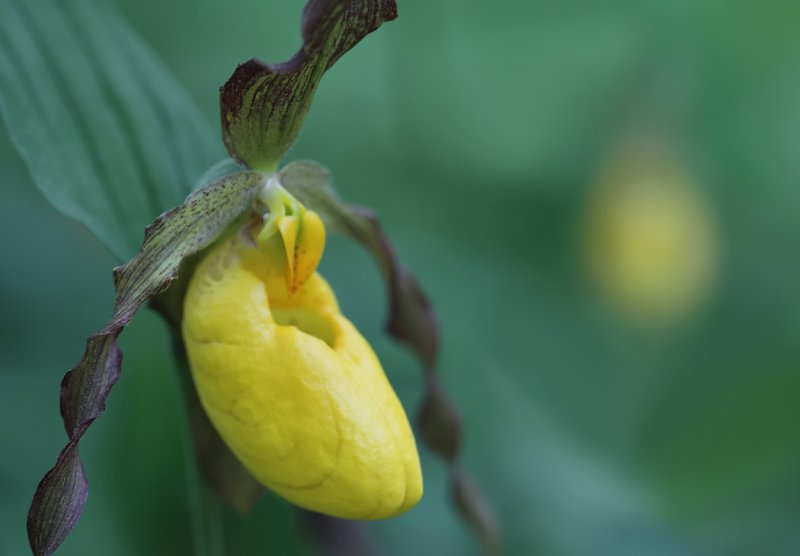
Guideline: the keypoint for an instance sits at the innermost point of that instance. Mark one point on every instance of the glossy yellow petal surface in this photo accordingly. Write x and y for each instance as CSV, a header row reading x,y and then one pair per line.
x,y
294,389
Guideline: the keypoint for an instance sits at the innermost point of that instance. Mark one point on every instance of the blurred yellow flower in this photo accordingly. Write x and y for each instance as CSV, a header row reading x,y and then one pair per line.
x,y
292,387
651,240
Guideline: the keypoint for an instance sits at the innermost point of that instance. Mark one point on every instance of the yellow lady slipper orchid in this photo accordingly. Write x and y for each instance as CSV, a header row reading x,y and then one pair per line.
x,y
292,387
650,235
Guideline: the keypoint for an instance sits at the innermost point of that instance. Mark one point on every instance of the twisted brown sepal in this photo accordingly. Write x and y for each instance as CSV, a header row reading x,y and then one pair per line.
x,y
439,420
474,509
412,322
263,105
175,235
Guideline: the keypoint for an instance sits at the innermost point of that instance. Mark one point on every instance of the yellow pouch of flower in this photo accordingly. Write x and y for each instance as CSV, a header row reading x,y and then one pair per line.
x,y
293,388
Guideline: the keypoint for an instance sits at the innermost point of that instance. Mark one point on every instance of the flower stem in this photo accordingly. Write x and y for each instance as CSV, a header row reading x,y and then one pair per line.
x,y
204,509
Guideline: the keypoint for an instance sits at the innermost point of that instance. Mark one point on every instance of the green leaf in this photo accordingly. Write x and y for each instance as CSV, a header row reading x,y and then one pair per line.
x,y
174,236
263,105
108,135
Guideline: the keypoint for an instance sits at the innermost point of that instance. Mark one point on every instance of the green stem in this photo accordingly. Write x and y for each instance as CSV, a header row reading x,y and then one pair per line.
x,y
205,512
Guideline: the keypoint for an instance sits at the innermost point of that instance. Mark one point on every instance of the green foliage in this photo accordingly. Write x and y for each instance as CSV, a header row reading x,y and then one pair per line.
x,y
72,73
169,241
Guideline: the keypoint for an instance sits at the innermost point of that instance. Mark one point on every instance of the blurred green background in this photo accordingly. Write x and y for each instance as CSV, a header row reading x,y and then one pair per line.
x,y
482,133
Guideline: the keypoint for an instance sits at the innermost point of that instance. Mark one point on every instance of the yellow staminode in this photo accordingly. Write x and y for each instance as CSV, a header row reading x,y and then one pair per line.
x,y
304,241
292,387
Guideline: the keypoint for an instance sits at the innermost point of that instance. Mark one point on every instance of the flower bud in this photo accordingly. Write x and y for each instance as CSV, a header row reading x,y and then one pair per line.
x,y
292,387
